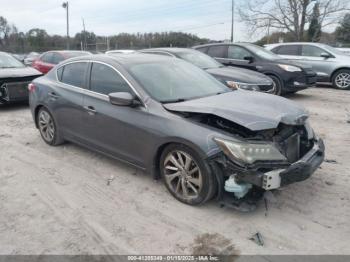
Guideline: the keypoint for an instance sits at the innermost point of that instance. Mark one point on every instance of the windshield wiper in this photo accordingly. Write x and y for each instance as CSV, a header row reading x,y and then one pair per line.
x,y
178,100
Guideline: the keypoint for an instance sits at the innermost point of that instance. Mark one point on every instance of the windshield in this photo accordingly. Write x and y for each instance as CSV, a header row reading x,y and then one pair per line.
x,y
199,59
174,80
332,49
262,52
8,61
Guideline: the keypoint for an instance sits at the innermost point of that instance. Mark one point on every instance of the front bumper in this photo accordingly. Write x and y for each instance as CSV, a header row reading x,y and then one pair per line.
x,y
299,81
282,176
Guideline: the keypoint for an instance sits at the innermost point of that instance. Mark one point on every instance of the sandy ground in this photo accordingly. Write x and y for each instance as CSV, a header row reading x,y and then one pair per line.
x,y
57,201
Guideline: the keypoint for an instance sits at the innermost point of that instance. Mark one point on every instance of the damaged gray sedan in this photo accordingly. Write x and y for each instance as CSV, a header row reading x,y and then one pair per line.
x,y
172,119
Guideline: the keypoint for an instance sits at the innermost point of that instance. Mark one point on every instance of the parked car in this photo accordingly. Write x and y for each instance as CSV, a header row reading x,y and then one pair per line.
x,y
344,50
230,76
289,77
19,57
120,51
29,59
169,117
331,65
48,60
14,79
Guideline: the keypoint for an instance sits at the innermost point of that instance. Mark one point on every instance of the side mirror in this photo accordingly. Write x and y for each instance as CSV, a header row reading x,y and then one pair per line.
x,y
325,55
122,99
250,59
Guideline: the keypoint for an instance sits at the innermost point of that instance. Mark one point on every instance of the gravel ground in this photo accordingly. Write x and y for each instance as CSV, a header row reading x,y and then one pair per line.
x,y
57,201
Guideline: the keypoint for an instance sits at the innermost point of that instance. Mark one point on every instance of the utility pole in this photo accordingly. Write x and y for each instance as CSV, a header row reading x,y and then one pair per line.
x,y
84,37
268,31
233,20
65,5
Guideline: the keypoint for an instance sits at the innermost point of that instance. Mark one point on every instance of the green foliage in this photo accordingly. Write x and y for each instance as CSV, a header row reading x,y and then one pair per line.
x,y
39,40
314,33
343,31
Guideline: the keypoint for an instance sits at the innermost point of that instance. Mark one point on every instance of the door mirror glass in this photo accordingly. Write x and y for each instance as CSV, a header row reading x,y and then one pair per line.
x,y
122,99
250,59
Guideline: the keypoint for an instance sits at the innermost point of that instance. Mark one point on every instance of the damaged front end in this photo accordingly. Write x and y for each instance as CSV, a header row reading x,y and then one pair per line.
x,y
253,162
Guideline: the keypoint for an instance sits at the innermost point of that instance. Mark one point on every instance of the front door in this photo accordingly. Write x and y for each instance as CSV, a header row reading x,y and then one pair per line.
x,y
115,130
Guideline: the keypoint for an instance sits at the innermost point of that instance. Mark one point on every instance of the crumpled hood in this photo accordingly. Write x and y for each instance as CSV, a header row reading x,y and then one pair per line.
x,y
18,72
253,110
240,75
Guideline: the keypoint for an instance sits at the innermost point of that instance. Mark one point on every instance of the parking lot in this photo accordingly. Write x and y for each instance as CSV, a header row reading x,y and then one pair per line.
x,y
69,200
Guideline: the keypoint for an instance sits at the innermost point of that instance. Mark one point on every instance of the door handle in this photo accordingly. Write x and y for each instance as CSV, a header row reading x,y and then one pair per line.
x,y
53,95
91,110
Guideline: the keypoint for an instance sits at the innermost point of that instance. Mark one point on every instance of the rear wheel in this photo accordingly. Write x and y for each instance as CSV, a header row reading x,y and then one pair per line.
x,y
341,79
186,175
277,85
48,128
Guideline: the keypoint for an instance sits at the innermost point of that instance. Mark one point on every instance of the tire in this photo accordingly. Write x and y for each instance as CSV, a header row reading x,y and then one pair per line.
x,y
341,79
278,85
48,128
186,175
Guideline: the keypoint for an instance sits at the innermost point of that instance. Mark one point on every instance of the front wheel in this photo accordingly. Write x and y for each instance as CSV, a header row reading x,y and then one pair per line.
x,y
341,79
277,85
186,175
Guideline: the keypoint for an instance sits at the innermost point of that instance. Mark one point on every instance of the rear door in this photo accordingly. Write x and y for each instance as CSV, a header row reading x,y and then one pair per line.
x,y
113,129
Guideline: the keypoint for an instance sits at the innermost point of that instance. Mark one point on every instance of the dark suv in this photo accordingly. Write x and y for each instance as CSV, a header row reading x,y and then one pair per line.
x,y
288,76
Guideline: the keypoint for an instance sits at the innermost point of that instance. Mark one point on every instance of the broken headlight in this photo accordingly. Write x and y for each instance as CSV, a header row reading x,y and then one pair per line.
x,y
249,152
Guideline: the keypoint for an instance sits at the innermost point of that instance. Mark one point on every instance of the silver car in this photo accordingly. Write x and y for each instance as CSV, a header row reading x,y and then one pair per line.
x,y
331,65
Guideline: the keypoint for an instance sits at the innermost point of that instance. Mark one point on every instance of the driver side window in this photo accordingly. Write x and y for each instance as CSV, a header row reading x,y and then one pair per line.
x,y
105,80
238,53
314,51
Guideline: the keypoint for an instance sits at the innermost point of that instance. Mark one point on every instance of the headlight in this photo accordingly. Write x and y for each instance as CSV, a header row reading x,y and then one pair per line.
x,y
290,68
249,152
236,85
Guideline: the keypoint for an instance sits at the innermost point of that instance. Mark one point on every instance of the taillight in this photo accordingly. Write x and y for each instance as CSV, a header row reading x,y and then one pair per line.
x,y
31,87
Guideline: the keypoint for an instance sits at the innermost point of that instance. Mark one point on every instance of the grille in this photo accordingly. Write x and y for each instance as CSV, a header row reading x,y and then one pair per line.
x,y
266,88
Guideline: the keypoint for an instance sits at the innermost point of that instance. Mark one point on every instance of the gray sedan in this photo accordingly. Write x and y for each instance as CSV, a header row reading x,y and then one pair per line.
x,y
330,64
174,120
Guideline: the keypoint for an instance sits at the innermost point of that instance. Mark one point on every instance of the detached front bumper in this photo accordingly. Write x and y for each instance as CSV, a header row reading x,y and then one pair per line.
x,y
282,176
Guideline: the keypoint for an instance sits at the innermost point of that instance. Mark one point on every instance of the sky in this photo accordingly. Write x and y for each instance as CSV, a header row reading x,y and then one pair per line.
x,y
205,18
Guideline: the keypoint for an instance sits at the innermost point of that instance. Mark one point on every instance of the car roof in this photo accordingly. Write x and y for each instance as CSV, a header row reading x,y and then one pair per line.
x,y
122,59
223,43
173,50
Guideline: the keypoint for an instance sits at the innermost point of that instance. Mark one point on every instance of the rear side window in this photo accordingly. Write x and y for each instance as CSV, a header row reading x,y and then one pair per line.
x,y
238,53
287,50
59,73
105,80
74,74
217,51
47,58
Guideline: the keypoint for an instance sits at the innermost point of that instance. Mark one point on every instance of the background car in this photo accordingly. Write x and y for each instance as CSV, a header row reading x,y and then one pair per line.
x,y
172,119
230,76
128,51
289,77
29,59
330,64
48,60
14,79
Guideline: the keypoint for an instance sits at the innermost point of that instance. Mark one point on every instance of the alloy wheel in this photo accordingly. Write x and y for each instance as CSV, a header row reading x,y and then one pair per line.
x,y
46,126
343,80
182,175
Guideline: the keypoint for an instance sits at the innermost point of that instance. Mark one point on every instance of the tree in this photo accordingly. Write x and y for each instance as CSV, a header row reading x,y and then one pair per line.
x,y
290,15
315,28
343,31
